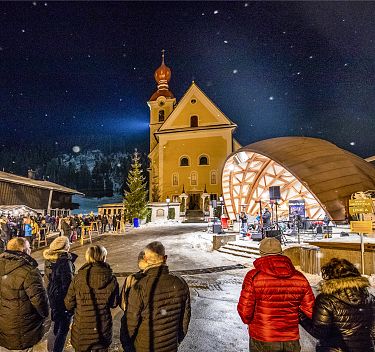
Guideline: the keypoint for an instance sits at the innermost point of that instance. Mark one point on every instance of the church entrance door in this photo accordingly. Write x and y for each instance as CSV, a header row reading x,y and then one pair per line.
x,y
194,201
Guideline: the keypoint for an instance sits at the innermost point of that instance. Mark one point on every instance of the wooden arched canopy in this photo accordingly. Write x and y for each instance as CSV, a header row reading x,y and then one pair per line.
x,y
315,170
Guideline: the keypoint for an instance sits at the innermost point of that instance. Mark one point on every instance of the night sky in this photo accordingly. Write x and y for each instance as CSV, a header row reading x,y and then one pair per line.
x,y
274,68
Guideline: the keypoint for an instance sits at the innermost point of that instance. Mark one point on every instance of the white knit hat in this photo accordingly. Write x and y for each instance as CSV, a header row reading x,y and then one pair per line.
x,y
60,243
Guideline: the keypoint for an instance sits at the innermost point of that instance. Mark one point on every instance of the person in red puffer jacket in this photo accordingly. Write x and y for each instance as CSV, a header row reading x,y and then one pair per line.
x,y
272,295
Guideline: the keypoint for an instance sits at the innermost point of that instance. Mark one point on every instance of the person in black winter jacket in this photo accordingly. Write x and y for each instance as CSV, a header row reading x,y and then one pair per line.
x,y
158,309
58,273
91,295
23,299
344,313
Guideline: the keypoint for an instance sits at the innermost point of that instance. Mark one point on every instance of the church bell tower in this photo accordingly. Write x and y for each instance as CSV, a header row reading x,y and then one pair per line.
x,y
162,102
161,105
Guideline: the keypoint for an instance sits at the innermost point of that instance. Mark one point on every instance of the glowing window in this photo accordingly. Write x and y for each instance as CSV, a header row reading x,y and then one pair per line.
x,y
194,178
213,177
175,179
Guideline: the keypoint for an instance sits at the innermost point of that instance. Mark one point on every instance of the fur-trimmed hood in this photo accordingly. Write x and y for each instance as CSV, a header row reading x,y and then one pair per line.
x,y
53,256
351,290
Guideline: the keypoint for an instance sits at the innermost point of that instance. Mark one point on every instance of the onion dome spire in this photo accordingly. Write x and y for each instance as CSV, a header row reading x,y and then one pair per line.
x,y
162,77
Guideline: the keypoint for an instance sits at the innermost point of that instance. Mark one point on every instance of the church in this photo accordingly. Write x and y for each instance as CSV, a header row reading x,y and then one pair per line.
x,y
189,143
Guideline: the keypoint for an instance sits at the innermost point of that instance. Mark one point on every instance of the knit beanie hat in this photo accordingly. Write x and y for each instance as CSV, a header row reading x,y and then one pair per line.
x,y
60,243
270,246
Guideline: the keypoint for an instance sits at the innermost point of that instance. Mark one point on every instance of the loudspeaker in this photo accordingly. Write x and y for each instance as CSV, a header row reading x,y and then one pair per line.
x,y
256,236
274,193
274,233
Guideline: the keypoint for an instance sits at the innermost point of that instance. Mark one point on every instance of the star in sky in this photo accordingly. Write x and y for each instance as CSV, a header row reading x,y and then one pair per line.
x,y
239,57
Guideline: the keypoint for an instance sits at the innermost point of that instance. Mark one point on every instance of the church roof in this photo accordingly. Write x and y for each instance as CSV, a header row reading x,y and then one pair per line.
x,y
7,177
162,77
221,120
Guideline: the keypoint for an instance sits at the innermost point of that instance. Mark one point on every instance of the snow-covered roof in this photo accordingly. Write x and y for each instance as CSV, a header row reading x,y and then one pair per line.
x,y
111,205
4,176
21,209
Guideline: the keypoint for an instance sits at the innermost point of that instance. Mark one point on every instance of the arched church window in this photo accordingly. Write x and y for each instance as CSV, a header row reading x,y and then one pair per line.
x,y
194,178
213,178
194,121
203,160
184,161
161,115
175,179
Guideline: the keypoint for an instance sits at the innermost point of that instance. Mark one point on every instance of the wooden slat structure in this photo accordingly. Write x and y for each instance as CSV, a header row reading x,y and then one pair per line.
x,y
312,169
349,250
43,196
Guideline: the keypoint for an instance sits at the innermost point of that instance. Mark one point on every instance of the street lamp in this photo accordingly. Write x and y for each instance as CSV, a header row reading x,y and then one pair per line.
x,y
168,200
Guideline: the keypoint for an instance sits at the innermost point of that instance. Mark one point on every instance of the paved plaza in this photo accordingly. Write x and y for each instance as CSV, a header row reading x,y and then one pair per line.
x,y
215,324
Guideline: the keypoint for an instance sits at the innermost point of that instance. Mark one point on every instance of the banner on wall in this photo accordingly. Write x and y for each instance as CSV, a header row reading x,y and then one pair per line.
x,y
296,208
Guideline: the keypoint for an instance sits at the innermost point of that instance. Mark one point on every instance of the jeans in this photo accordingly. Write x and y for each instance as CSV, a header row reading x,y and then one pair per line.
x,y
244,229
284,346
61,329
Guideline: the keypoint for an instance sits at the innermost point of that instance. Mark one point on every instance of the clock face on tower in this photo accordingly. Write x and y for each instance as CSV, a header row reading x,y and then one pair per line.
x,y
161,101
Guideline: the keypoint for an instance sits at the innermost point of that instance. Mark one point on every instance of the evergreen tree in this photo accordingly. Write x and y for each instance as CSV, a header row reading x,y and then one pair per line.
x,y
108,186
84,180
97,181
155,194
135,197
71,176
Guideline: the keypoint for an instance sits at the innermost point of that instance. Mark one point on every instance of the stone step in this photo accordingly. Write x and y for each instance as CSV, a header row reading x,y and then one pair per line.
x,y
250,246
194,213
194,220
238,253
241,249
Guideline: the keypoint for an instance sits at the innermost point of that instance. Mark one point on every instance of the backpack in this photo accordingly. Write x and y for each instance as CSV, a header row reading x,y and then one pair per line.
x,y
53,286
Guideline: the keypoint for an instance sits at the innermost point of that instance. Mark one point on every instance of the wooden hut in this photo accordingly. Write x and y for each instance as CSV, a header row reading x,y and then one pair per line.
x,y
43,196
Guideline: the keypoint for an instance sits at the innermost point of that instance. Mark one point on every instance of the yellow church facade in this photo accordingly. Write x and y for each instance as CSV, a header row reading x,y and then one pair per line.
x,y
189,143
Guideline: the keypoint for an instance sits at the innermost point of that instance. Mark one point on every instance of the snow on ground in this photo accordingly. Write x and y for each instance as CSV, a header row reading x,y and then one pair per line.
x,y
215,324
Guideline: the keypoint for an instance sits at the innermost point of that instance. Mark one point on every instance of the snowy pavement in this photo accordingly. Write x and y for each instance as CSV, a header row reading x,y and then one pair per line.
x,y
215,324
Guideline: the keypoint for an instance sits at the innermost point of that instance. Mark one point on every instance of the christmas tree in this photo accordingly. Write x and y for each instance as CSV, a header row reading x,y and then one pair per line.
x,y
135,196
155,194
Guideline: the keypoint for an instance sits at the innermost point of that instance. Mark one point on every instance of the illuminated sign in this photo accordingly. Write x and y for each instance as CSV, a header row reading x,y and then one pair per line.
x,y
361,226
360,206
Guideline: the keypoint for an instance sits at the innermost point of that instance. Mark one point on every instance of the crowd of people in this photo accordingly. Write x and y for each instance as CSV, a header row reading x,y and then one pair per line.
x,y
274,300
156,303
71,226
